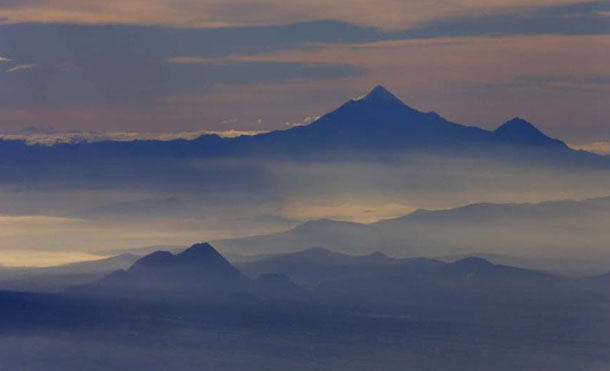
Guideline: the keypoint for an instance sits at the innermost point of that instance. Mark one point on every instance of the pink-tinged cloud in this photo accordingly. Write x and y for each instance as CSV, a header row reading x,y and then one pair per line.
x,y
51,138
602,147
391,14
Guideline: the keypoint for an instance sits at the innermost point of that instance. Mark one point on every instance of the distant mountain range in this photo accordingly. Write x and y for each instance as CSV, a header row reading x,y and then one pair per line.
x,y
376,123
377,279
323,278
375,129
319,265
201,275
380,122
568,235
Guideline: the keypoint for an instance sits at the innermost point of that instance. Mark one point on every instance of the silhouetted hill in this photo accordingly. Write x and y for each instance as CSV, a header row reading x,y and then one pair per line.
x,y
520,132
198,269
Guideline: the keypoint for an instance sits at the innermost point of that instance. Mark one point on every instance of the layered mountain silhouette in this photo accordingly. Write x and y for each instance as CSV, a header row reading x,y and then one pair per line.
x,y
431,284
320,266
562,228
198,269
375,128
379,280
316,265
201,274
378,122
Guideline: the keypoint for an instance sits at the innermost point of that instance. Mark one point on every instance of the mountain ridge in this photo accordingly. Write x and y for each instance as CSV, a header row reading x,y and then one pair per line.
x,y
378,122
460,231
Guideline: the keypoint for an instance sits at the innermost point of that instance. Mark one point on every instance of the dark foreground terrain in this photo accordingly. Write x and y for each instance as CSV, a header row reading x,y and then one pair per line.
x,y
368,313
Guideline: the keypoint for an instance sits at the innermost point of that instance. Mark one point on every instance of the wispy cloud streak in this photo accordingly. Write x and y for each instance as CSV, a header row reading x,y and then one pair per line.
x,y
51,138
21,67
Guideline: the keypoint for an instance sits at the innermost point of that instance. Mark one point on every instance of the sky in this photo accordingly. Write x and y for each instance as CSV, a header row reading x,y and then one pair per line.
x,y
155,67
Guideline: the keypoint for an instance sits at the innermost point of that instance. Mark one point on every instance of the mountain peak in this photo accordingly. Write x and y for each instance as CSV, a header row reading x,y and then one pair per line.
x,y
201,253
380,95
197,249
518,130
518,125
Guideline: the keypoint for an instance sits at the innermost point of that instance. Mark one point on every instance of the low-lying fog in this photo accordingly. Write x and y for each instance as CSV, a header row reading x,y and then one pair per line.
x,y
180,202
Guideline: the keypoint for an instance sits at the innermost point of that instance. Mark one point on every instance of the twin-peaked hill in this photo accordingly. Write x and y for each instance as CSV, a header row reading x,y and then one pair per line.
x,y
197,269
198,274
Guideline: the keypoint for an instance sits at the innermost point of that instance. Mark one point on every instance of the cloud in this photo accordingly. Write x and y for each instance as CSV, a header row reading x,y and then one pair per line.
x,y
50,137
219,13
42,258
601,147
359,211
293,123
128,66
140,64
21,67
585,18
197,60
306,121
